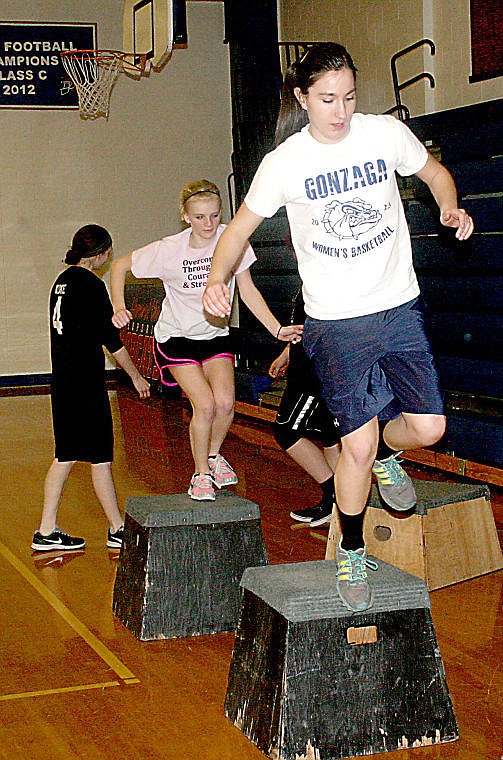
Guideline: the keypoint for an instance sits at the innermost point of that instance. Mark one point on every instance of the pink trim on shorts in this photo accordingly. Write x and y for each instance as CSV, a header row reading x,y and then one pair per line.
x,y
218,356
172,361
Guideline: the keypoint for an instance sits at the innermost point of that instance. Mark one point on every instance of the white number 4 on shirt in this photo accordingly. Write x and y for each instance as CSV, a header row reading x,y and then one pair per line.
x,y
56,317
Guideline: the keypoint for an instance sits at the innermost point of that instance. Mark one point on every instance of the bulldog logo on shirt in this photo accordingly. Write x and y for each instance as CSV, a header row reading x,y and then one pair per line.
x,y
349,219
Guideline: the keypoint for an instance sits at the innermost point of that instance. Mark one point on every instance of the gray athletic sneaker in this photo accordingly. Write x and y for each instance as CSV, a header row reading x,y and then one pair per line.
x,y
395,486
352,583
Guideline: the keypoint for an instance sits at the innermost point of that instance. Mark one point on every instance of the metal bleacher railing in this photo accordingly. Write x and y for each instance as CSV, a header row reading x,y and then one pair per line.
x,y
402,111
293,51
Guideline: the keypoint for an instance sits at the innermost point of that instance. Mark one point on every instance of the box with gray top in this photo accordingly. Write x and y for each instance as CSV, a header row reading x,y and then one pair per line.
x,y
449,537
310,679
182,561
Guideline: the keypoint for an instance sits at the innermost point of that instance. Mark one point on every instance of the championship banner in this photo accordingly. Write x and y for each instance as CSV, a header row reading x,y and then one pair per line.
x,y
31,72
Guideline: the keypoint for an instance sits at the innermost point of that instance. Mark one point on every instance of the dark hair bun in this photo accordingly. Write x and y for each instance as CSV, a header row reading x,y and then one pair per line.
x,y
89,241
72,257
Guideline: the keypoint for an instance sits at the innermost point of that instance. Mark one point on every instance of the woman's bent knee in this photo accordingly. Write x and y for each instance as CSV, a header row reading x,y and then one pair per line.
x,y
434,429
427,428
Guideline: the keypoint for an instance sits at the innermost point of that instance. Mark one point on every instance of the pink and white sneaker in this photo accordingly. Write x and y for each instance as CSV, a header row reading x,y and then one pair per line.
x,y
222,473
201,487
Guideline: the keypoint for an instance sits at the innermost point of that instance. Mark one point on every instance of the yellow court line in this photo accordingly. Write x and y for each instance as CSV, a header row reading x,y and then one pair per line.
x,y
62,690
101,650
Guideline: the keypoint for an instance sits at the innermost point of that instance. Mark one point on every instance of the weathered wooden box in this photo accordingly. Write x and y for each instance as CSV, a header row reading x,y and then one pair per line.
x,y
450,537
308,679
181,563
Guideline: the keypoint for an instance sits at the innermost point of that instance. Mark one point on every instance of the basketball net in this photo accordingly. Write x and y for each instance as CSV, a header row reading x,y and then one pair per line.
x,y
94,72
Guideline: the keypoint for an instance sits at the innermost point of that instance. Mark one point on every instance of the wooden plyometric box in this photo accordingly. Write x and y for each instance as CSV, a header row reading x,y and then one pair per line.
x,y
309,679
181,563
449,537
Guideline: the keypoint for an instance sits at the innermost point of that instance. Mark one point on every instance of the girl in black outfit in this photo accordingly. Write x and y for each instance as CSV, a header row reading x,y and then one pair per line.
x,y
80,325
303,418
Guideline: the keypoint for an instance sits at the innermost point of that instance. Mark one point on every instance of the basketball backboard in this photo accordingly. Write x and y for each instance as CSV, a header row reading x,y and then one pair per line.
x,y
152,27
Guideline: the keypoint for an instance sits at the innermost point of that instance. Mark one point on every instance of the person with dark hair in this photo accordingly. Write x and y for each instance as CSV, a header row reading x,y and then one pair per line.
x,y
334,170
303,421
80,325
191,348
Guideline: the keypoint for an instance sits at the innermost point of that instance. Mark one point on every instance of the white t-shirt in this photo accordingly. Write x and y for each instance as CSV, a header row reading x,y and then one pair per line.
x,y
346,217
184,271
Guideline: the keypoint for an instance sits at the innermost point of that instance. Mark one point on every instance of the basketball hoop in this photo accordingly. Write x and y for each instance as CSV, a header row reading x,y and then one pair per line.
x,y
94,72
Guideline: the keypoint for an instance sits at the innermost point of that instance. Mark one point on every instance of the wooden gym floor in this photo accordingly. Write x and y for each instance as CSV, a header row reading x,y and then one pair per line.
x,y
76,684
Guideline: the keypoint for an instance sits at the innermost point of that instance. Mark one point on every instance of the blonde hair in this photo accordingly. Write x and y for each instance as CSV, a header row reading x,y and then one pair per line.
x,y
202,187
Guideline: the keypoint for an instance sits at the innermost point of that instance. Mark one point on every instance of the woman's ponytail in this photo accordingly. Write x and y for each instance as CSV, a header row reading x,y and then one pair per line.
x,y
292,117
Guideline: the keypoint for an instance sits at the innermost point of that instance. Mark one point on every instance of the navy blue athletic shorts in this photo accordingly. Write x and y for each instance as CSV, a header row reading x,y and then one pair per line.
x,y
377,362
180,352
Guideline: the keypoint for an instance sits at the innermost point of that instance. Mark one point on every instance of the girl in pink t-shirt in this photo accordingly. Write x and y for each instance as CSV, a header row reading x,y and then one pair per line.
x,y
192,348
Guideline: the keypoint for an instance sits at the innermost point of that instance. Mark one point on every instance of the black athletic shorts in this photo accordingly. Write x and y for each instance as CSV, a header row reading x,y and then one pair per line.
x,y
302,415
82,423
180,352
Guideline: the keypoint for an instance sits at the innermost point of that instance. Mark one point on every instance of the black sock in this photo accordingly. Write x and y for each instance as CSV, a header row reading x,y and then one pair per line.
x,y
328,489
352,530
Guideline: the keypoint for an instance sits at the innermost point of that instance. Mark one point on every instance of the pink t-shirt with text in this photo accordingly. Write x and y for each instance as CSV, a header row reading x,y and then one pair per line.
x,y
184,271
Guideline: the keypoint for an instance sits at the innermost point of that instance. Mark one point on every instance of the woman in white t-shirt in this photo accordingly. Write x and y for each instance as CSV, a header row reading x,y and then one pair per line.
x,y
193,348
334,171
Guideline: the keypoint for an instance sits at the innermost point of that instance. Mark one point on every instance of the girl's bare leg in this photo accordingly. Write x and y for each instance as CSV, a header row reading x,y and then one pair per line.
x,y
194,384
354,468
104,488
220,376
312,459
55,481
413,431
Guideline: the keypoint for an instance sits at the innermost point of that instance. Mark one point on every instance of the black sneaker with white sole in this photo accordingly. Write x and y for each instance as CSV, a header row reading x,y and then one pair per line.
x,y
114,540
305,515
315,516
58,539
323,517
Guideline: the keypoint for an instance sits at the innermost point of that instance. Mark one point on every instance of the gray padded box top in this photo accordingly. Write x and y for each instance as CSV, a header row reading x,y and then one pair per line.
x,y
431,494
164,510
307,590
